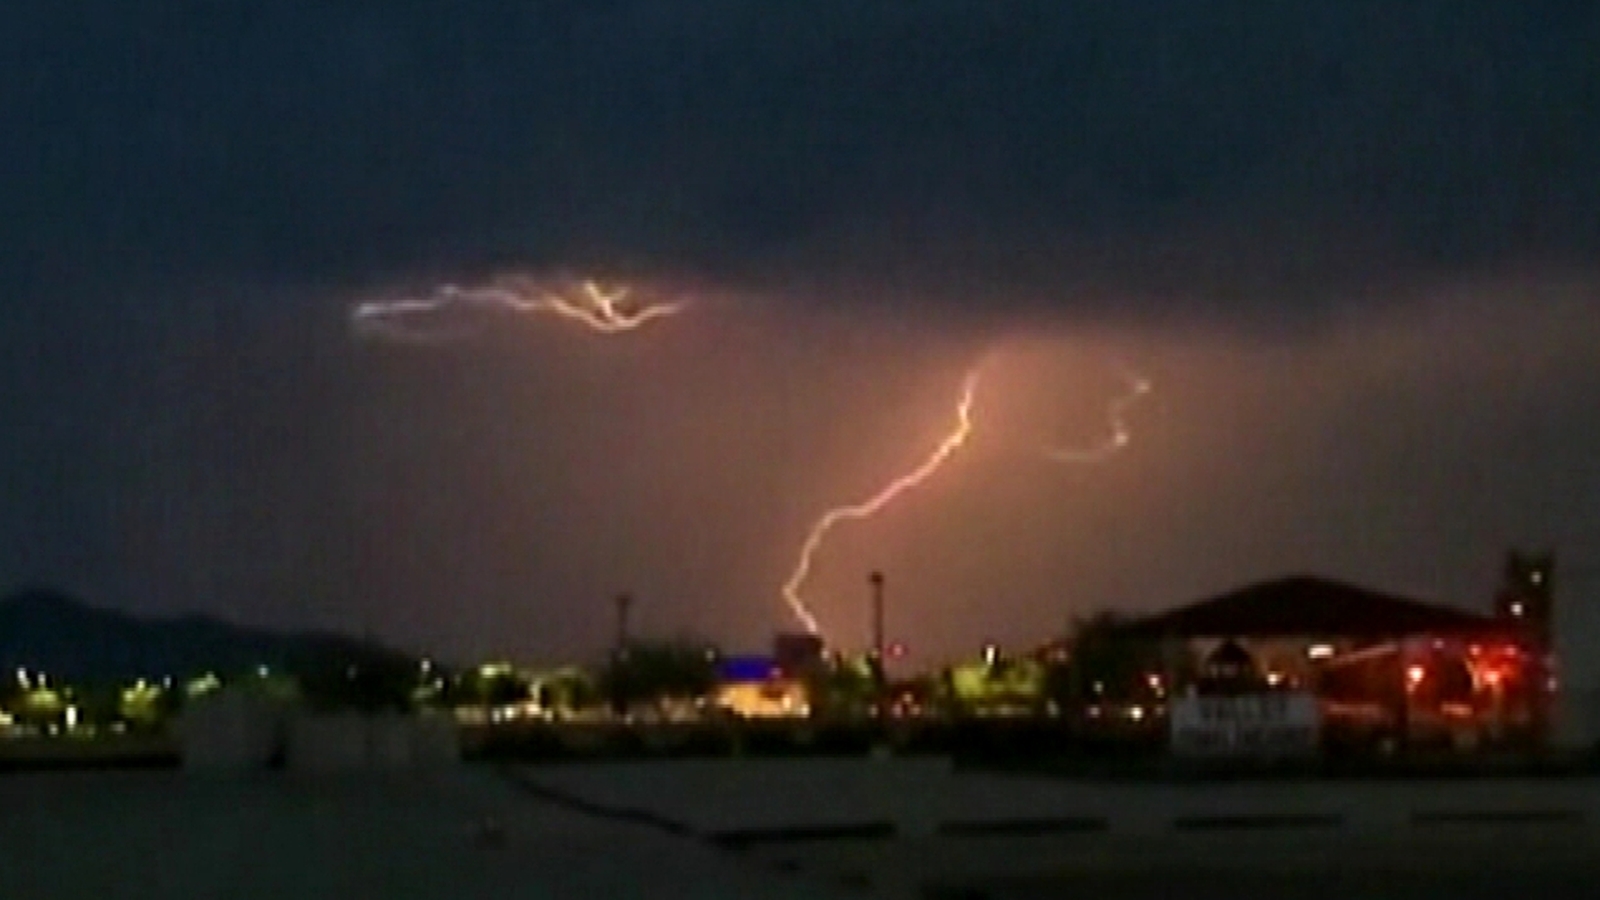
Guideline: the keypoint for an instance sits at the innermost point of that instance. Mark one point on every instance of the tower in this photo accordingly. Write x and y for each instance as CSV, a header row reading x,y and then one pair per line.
x,y
624,604
1526,602
875,580
1526,595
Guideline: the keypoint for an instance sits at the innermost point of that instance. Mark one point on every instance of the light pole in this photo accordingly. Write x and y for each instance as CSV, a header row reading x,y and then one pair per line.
x,y
876,581
619,687
880,675
624,605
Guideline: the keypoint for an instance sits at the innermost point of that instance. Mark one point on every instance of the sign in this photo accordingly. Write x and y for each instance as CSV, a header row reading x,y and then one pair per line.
x,y
1252,725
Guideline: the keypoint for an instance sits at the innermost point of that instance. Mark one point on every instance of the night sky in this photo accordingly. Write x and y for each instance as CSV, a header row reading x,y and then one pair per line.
x,y
1353,245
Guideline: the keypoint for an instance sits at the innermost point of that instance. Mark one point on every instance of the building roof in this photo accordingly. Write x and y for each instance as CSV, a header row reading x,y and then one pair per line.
x,y
1310,606
1230,654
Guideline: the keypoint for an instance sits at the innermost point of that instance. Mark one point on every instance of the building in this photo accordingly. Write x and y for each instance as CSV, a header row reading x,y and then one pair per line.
x,y
757,687
1383,667
777,686
797,652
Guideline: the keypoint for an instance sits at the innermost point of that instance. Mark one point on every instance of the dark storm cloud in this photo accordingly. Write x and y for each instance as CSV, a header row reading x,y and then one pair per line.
x,y
1227,150
194,193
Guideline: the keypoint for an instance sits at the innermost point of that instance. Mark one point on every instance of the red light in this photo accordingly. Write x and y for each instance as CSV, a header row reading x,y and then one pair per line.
x,y
897,650
1415,674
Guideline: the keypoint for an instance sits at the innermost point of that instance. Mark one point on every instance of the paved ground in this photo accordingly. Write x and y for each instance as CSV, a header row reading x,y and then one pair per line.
x,y
920,794
1575,882
1549,864
474,833
165,835
1279,839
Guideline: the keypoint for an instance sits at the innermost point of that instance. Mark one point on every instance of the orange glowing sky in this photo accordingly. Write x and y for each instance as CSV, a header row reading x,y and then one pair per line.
x,y
688,466
1351,245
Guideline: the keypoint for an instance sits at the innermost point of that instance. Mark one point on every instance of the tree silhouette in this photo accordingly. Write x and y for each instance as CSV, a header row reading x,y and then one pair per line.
x,y
364,682
1105,662
843,687
645,672
490,686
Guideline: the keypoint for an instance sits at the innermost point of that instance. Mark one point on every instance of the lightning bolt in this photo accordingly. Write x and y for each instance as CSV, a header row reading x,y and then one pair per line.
x,y
597,308
389,321
872,505
1121,436
1117,415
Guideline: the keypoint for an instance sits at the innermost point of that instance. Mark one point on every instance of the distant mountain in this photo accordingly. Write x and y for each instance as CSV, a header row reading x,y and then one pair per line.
x,y
49,631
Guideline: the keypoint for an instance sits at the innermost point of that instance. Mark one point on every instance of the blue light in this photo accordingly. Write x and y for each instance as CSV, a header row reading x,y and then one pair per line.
x,y
746,668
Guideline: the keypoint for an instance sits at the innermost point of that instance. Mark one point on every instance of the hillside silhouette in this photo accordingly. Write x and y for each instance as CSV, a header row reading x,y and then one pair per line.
x,y
48,630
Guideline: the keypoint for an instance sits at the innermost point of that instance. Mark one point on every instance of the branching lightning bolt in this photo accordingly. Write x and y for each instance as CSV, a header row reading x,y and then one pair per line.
x,y
595,307
1121,435
872,505
608,311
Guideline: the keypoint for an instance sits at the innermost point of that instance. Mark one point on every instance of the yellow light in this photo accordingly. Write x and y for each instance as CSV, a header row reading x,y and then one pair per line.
x,y
1319,651
1415,674
1136,713
763,701
494,670
205,684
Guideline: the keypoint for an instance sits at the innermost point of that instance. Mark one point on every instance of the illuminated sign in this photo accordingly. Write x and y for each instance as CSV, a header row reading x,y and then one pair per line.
x,y
1254,725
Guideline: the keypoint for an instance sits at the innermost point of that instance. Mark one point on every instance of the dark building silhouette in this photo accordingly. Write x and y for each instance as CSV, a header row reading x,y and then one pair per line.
x,y
1385,668
1527,596
1230,669
796,652
1526,602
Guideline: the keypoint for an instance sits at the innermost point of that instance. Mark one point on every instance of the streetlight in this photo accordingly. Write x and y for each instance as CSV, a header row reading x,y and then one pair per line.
x,y
624,604
875,579
880,676
619,688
